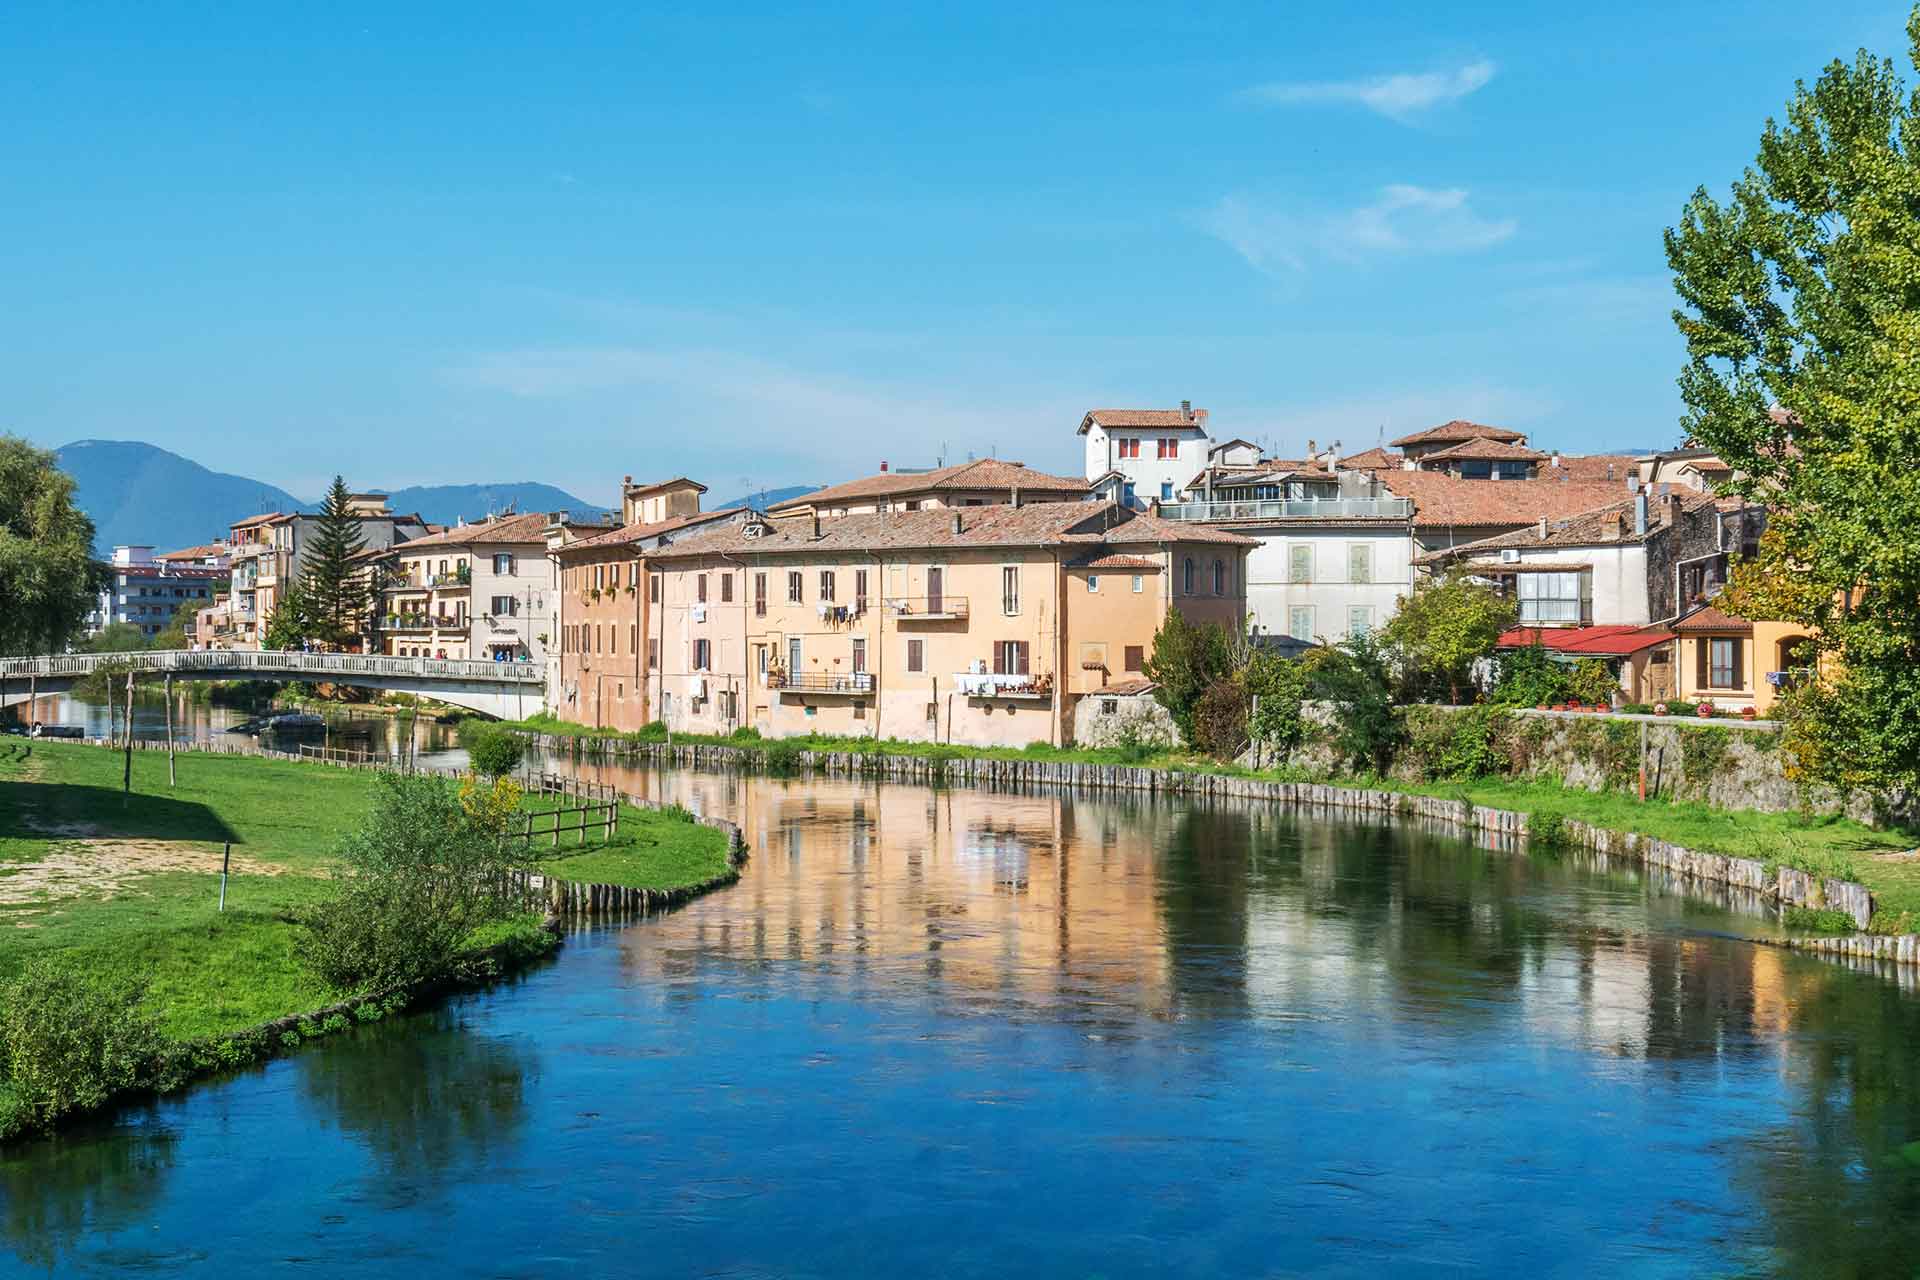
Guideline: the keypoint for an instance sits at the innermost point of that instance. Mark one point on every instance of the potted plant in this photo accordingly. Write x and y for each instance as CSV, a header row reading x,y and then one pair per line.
x,y
1659,708
1704,711
1559,706
1748,713
1540,707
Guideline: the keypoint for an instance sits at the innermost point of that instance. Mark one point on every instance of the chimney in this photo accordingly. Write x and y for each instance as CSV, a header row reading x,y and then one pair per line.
x,y
1015,498
626,481
1543,528
1186,410
1617,527
1313,448
883,466
1670,509
816,526
1639,514
1555,461
1609,471
959,522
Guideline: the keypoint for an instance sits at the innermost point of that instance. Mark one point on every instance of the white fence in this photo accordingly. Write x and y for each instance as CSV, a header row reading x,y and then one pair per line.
x,y
240,663
1291,509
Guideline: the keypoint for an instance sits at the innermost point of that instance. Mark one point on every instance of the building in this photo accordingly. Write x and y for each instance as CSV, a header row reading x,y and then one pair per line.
x,y
979,625
981,482
269,552
600,675
152,593
479,592
212,555
1449,435
1151,453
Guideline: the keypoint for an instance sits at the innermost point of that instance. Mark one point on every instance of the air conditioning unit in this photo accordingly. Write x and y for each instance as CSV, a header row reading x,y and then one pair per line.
x,y
1509,555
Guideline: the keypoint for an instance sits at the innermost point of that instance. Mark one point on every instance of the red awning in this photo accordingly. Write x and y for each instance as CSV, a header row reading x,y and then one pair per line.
x,y
1600,642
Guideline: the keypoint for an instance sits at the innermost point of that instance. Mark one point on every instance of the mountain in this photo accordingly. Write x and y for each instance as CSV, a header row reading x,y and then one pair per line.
x,y
136,493
446,503
761,498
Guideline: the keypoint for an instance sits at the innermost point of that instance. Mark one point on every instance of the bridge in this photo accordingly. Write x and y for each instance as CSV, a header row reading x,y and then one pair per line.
x,y
507,690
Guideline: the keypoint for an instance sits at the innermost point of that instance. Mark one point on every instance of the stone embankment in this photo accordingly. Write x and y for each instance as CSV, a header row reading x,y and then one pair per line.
x,y
1502,827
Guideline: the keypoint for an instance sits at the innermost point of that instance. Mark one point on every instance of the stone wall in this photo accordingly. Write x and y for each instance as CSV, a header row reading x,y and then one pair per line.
x,y
1137,714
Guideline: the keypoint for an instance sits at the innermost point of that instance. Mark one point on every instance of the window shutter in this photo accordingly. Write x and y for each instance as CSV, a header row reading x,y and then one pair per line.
x,y
1700,648
1020,652
1000,659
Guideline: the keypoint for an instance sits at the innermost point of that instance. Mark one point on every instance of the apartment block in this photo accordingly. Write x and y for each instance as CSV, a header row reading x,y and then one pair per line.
x,y
152,592
269,552
980,625
476,591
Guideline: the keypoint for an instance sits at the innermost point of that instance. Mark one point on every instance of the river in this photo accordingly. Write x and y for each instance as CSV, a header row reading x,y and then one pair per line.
x,y
348,724
969,1033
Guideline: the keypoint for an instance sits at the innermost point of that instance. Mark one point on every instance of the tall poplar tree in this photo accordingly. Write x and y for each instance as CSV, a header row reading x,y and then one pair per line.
x,y
48,575
1801,315
334,592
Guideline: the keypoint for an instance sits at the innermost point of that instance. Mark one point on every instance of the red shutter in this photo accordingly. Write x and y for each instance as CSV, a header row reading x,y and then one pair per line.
x,y
1020,653
1000,659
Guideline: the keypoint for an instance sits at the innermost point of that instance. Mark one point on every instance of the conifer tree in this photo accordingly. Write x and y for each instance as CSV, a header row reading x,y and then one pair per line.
x,y
335,593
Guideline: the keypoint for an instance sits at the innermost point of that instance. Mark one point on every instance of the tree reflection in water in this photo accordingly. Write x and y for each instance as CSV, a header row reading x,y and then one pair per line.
x,y
51,1203
426,1097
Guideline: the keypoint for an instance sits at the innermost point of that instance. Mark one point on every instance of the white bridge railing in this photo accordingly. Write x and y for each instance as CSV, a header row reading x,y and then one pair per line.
x,y
241,662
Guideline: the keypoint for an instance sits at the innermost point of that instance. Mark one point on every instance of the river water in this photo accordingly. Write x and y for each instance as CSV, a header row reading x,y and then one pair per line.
x,y
348,724
970,1033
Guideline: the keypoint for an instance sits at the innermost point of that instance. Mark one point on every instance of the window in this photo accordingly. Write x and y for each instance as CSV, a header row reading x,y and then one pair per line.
x,y
1169,447
1010,658
702,655
1139,583
1136,657
1128,448
911,506
599,574
502,606
653,588
1093,583
613,638
1555,597
859,656
503,562
793,655
1300,563
1126,493
1359,562
1359,620
726,588
1010,590
700,588
633,638
793,587
1219,577
653,655
1720,666
826,586
860,590
1300,623
1186,576
916,655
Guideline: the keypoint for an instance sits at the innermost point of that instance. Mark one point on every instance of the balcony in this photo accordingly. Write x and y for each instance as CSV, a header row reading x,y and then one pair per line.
x,y
458,578
941,608
1292,509
983,684
852,683
424,622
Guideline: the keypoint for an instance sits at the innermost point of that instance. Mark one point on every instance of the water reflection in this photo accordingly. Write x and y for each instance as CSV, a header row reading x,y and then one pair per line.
x,y
348,724
77,1184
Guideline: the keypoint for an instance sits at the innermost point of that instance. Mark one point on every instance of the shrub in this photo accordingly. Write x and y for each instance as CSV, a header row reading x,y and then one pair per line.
x,y
1186,661
1453,745
745,733
1546,828
1528,678
70,1041
1220,720
1448,625
422,874
652,731
1277,688
782,755
1354,676
1817,920
1593,682
494,751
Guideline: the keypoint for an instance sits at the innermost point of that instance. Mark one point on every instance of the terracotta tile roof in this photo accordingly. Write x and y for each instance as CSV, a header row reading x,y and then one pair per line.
x,y
1375,459
1441,500
982,473
1594,466
631,533
1708,618
250,521
1142,418
1609,641
1482,447
1043,524
1114,560
531,527
1127,688
1582,529
635,491
195,553
1518,566
1458,429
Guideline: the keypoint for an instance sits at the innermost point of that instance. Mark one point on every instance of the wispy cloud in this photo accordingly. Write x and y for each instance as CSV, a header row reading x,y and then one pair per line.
x,y
1403,220
1398,97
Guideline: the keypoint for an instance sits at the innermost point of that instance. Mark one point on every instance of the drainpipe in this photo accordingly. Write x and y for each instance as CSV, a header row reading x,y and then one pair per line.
x,y
879,638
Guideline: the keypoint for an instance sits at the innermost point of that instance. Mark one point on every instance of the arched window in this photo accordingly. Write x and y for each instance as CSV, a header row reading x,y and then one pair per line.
x,y
1219,577
1186,576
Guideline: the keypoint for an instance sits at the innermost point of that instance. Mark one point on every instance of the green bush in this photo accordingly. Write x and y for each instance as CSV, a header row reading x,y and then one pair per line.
x,y
1530,678
745,733
493,750
652,731
1817,920
422,874
1186,661
70,1041
782,755
1220,720
1355,676
1594,683
1546,828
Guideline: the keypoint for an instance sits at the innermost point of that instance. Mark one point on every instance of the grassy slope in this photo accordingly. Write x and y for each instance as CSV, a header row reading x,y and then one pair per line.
x,y
209,972
1827,845
653,850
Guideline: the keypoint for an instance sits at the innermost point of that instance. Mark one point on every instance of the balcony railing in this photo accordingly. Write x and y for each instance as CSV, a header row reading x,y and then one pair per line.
x,y
1292,509
458,578
809,682
926,608
424,622
983,684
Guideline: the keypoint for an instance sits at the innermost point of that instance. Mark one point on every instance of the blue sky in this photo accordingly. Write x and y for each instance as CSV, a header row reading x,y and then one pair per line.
x,y
469,243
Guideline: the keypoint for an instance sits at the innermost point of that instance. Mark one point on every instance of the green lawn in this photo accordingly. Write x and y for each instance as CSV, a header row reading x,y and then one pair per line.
x,y
132,883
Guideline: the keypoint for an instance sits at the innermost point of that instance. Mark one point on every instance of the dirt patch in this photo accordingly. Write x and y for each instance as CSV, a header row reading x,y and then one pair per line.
x,y
1903,855
106,868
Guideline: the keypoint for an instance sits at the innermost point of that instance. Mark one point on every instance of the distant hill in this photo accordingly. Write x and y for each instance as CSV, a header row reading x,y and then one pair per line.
x,y
446,503
761,498
139,494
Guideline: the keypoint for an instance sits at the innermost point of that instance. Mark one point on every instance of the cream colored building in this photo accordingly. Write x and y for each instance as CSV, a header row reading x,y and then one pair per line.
x,y
971,625
982,482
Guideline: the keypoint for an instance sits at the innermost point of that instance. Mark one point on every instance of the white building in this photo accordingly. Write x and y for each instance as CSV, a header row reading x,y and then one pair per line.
x,y
152,593
1154,452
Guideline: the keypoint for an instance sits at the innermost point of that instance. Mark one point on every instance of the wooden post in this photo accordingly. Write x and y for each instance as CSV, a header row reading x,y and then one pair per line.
x,y
113,726
226,860
172,779
1643,762
126,780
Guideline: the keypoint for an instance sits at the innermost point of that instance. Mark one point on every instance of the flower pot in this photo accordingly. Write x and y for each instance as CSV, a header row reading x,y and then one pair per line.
x,y
1541,707
1748,713
1659,708
1559,706
1704,711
